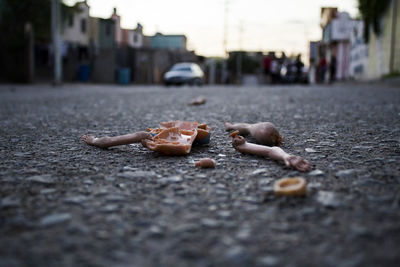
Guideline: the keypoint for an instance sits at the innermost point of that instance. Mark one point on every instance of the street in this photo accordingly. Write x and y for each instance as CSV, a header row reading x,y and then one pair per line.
x,y
64,203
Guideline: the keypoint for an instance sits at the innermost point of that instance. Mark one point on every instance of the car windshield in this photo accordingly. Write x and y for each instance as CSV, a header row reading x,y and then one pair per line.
x,y
182,68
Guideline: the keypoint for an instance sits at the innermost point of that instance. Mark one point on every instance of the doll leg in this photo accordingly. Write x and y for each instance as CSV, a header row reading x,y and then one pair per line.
x,y
105,142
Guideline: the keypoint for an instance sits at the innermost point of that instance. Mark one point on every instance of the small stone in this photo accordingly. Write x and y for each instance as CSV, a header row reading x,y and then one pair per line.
x,y
9,202
243,234
75,199
169,180
328,199
210,223
45,179
156,232
259,171
316,173
310,150
54,219
221,155
48,191
115,198
268,261
314,185
224,214
252,200
237,256
109,208
128,168
345,173
136,174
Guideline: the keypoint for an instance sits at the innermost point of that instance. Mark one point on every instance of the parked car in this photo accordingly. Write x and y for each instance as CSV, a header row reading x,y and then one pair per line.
x,y
184,73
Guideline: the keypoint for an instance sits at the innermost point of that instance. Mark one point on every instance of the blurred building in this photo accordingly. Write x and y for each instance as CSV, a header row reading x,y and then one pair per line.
x,y
161,41
117,27
102,33
76,31
133,38
336,33
358,53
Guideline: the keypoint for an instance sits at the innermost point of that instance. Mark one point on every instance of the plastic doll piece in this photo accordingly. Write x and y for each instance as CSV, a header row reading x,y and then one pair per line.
x,y
264,133
205,163
203,130
172,141
201,100
295,186
275,153
107,141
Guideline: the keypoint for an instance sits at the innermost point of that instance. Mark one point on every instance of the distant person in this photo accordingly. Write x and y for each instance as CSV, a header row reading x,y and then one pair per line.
x,y
274,70
332,69
322,66
267,67
299,68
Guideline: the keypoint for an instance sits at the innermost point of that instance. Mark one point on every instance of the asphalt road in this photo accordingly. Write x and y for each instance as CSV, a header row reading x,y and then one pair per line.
x,y
64,203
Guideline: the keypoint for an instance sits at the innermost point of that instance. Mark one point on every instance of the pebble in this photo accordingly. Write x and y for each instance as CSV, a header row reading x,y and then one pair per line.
x,y
310,150
169,180
75,199
45,179
109,208
237,256
54,219
210,223
243,234
268,261
316,173
136,174
328,199
259,171
346,173
48,191
155,231
225,214
9,202
313,185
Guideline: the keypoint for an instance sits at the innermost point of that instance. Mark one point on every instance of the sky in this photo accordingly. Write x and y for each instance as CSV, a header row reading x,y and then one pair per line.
x,y
251,25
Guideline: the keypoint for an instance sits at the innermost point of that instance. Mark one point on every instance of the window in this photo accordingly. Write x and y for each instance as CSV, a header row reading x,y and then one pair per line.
x,y
135,38
83,25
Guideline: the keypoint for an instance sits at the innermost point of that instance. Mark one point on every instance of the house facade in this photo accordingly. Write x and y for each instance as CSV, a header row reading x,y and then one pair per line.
x,y
77,28
161,41
117,27
337,28
133,38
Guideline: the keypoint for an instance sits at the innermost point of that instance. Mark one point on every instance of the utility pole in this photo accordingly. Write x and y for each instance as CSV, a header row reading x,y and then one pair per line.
x,y
393,37
55,33
239,55
225,43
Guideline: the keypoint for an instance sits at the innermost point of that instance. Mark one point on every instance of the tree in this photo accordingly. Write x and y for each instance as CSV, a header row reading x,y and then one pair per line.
x,y
371,12
15,14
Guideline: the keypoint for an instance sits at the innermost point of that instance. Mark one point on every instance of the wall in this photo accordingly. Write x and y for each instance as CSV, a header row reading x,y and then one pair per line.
x,y
168,41
106,33
94,31
358,52
379,49
103,66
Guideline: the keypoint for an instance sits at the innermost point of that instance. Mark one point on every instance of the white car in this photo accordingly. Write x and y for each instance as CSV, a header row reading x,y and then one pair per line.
x,y
184,73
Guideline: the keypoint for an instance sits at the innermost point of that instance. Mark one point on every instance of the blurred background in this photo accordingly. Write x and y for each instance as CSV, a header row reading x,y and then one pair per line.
x,y
226,41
